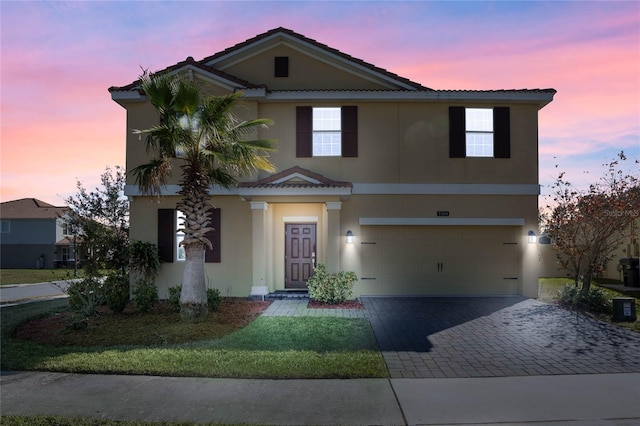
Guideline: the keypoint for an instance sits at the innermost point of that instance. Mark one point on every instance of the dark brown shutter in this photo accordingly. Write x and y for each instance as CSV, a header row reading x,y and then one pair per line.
x,y
349,116
281,66
304,144
214,255
457,133
166,234
501,132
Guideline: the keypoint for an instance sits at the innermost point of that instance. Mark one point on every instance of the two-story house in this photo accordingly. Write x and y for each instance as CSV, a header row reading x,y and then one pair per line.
x,y
419,191
34,234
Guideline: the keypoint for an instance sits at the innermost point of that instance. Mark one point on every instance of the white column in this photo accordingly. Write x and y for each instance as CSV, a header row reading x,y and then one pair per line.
x,y
333,247
260,284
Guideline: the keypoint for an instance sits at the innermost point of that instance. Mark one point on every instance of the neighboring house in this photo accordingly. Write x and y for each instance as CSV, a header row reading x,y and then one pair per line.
x,y
629,248
419,191
34,235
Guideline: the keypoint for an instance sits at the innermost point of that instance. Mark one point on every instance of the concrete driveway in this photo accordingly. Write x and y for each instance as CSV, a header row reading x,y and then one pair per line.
x,y
495,337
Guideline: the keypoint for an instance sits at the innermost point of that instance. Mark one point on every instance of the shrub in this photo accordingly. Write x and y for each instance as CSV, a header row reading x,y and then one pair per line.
x,y
144,261
214,299
117,292
145,296
571,296
174,297
331,288
86,295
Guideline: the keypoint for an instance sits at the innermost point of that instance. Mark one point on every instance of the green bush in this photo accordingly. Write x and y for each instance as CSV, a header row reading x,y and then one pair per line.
x,y
145,296
571,296
214,299
86,295
117,292
174,297
331,288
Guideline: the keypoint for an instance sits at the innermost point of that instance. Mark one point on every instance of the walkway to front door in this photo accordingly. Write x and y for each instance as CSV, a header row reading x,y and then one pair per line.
x,y
300,253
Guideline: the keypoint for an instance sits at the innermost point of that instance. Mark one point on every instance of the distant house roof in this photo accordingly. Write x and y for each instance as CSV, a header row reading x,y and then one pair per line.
x,y
30,208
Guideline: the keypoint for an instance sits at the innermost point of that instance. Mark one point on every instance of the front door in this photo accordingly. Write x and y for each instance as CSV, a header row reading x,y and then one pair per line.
x,y
300,254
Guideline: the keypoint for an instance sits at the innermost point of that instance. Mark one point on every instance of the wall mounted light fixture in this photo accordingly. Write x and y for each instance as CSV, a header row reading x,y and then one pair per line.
x,y
349,237
533,238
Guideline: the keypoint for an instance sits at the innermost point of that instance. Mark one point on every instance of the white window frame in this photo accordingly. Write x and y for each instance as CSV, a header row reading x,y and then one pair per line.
x,y
326,130
180,253
479,132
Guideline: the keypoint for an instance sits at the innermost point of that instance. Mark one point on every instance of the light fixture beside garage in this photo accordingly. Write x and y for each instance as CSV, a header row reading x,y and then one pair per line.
x,y
533,238
349,237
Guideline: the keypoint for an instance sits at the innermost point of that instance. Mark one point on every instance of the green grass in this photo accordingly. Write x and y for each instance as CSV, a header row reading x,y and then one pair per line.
x,y
30,276
276,347
548,292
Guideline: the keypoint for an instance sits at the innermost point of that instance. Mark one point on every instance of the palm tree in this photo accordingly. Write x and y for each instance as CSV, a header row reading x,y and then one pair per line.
x,y
210,143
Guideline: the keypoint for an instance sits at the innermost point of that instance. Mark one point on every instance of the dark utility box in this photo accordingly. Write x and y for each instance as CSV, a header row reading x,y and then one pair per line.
x,y
624,309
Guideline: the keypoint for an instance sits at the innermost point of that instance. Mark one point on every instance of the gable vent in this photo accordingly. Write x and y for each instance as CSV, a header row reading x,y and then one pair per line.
x,y
281,66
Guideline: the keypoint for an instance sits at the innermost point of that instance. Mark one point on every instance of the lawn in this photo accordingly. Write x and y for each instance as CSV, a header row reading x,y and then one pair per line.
x,y
269,347
30,276
549,287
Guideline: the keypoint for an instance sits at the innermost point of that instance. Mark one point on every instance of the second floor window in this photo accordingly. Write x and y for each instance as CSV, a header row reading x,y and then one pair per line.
x,y
327,132
479,132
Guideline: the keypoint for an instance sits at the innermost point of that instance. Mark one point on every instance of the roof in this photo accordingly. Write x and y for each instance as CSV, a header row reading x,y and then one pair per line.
x,y
30,208
405,89
295,177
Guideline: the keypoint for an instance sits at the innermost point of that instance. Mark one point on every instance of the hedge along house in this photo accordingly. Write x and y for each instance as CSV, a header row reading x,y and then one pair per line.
x,y
419,191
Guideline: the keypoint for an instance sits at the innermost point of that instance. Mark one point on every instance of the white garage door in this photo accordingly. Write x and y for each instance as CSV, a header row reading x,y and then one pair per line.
x,y
440,260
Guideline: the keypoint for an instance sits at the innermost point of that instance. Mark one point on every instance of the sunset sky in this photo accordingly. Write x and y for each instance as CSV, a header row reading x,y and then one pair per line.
x,y
58,59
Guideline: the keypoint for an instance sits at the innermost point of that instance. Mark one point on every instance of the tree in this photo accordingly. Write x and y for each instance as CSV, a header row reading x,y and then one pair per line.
x,y
101,217
586,227
209,142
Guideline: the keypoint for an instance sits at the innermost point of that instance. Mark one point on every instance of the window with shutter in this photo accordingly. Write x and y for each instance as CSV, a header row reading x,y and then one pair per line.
x,y
169,238
479,132
327,131
166,234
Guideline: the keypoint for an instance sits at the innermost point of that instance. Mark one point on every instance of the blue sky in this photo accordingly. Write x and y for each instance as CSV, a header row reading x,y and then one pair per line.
x,y
59,58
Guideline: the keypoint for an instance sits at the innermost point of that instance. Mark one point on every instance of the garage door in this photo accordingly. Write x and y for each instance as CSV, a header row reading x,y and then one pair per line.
x,y
440,260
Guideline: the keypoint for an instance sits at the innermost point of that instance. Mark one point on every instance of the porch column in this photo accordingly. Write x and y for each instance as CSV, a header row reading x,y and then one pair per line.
x,y
333,236
260,284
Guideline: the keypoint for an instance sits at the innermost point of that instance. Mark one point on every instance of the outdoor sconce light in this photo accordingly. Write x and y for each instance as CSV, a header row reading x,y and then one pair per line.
x,y
533,238
349,237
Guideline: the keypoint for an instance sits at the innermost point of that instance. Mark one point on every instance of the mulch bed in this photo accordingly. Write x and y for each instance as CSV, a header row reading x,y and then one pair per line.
x,y
348,304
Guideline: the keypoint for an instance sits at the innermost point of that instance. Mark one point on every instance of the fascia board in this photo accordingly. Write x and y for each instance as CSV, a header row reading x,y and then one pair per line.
x,y
444,189
174,190
128,96
445,221
171,190
259,192
435,96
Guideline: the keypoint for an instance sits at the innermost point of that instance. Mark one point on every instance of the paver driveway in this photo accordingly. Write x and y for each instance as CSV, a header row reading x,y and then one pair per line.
x,y
491,337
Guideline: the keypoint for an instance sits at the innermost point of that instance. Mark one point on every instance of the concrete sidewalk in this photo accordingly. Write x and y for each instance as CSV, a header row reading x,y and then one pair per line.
x,y
602,399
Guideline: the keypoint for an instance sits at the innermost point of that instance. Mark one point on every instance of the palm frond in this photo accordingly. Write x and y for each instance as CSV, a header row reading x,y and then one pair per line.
x,y
151,176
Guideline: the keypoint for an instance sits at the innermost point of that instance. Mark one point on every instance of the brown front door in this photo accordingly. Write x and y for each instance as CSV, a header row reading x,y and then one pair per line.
x,y
300,253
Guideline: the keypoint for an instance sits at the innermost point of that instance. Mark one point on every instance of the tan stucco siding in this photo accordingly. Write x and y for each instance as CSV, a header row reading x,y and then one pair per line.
x,y
305,72
409,143
232,276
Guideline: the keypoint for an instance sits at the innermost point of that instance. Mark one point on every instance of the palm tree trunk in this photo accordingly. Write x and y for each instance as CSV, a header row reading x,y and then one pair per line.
x,y
193,298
